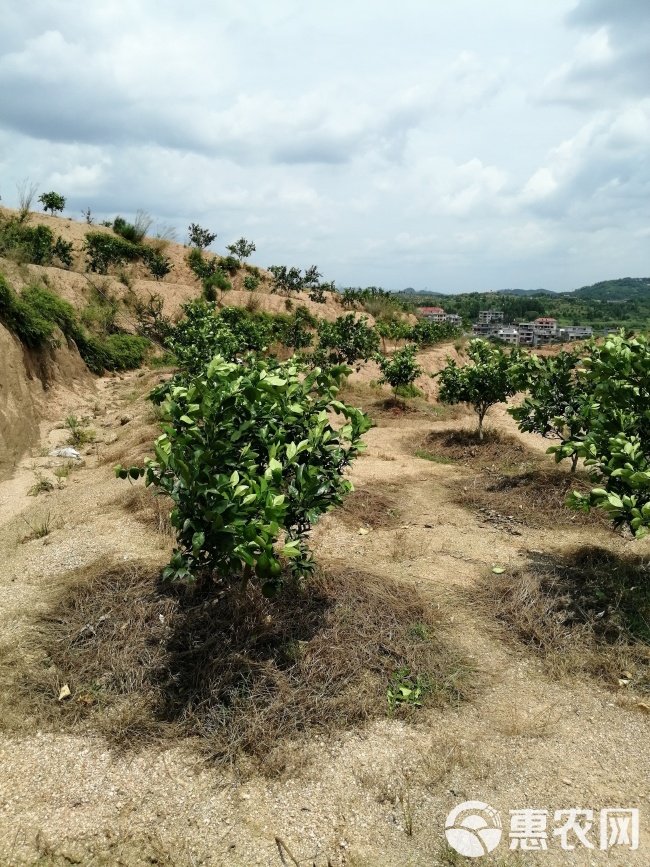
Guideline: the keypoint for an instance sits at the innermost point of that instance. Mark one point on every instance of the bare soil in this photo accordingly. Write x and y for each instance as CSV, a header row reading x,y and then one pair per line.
x,y
85,782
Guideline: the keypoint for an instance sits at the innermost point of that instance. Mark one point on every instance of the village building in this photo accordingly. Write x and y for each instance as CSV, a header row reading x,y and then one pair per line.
x,y
432,314
526,331
485,317
545,327
576,332
509,334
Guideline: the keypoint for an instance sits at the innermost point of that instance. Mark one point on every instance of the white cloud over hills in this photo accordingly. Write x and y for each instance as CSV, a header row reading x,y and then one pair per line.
x,y
464,146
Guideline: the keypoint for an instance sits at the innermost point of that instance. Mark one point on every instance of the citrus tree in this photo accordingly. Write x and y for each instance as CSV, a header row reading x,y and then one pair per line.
x,y
52,202
558,404
241,249
159,265
347,340
294,332
488,379
616,445
400,369
426,333
199,336
200,237
251,461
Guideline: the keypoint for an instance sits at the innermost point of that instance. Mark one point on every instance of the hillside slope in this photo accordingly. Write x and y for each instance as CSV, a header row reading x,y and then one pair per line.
x,y
133,281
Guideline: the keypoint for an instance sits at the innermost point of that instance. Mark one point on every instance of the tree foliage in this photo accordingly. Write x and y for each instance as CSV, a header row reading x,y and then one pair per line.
x,y
399,370
616,444
32,244
557,404
251,461
199,336
241,249
104,250
200,237
488,379
159,265
52,202
425,333
347,340
285,279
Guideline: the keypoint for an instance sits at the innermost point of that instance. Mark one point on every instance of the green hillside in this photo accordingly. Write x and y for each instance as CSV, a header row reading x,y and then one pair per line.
x,y
623,289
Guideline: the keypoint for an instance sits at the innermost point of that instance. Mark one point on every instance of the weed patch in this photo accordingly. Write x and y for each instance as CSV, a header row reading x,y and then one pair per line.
x,y
369,508
535,497
497,451
245,675
430,456
584,613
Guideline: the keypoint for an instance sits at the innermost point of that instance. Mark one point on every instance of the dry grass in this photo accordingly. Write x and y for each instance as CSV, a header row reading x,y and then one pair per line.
x,y
406,545
247,676
498,451
109,849
134,448
535,497
368,508
150,508
586,612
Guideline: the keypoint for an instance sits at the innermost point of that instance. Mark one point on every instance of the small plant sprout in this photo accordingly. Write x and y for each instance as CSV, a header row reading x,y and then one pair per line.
x,y
79,432
41,486
39,528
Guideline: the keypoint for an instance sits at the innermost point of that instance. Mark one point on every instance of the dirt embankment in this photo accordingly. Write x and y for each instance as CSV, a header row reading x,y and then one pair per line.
x,y
33,386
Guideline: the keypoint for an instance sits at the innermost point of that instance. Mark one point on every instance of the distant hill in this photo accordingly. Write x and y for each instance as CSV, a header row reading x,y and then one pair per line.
x,y
527,292
625,288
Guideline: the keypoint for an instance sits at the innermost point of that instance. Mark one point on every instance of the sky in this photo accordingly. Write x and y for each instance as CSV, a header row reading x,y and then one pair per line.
x,y
455,147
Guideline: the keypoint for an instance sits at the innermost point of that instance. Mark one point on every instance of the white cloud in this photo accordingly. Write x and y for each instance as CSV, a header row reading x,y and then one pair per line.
x,y
404,145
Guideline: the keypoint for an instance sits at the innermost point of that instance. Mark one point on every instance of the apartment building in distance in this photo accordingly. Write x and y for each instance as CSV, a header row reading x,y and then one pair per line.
x,y
437,314
545,327
433,314
576,332
487,317
526,333
508,334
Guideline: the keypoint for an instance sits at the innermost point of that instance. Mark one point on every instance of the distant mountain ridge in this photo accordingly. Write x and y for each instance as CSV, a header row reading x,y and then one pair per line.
x,y
529,292
621,289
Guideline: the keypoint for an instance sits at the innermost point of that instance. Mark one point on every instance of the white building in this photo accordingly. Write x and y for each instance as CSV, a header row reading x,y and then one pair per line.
x,y
526,331
545,327
576,332
508,334
453,319
433,314
487,316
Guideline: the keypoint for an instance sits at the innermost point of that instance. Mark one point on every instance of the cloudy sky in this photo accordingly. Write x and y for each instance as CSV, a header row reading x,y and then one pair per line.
x,y
451,146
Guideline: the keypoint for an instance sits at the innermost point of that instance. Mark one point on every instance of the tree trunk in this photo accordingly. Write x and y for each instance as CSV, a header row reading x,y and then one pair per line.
x,y
245,577
481,416
574,462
